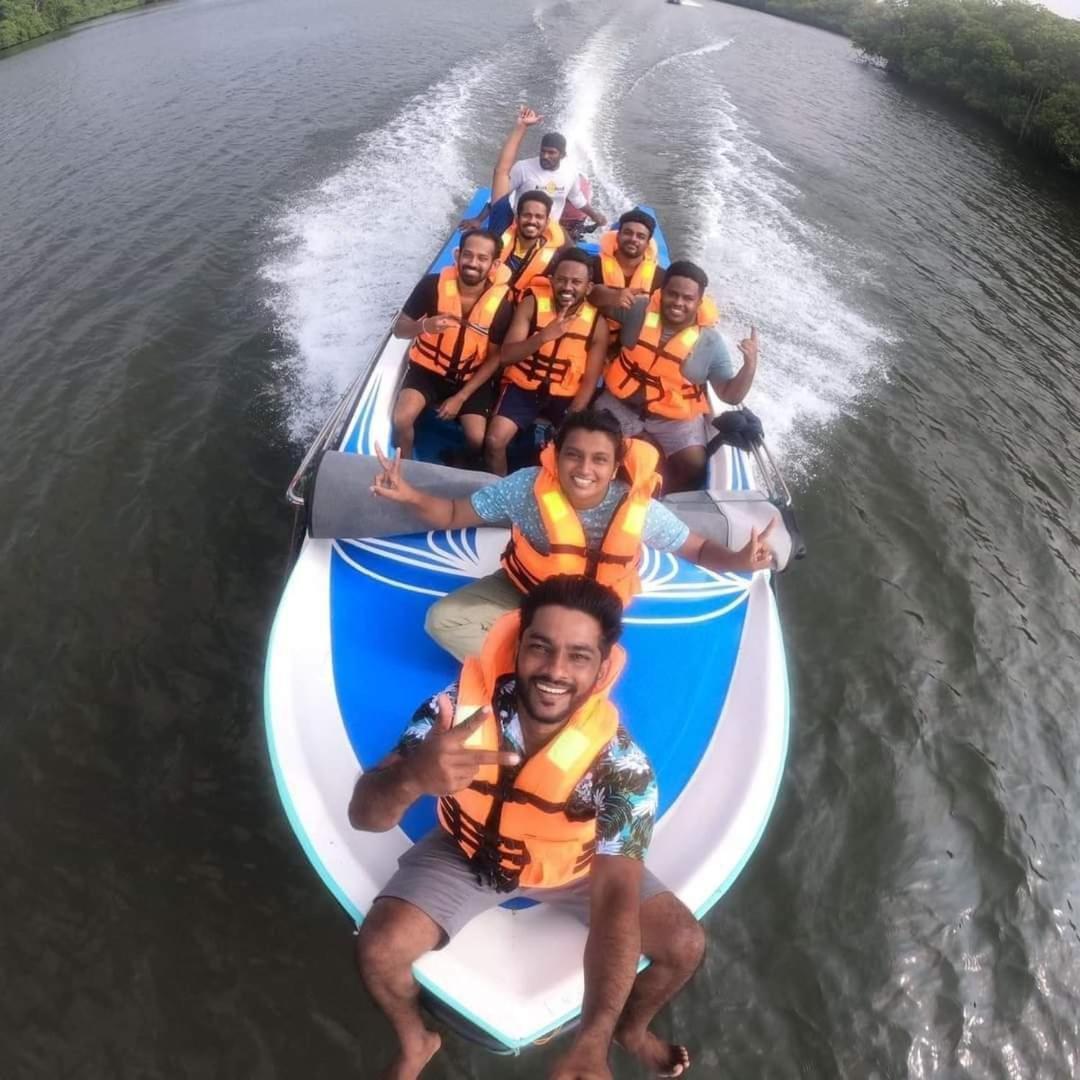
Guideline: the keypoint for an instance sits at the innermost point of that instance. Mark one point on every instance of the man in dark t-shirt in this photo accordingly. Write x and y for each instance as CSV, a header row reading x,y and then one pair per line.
x,y
457,320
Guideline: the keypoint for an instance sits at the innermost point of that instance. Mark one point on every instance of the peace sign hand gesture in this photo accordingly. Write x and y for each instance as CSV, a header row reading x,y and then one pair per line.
x,y
442,764
389,484
756,554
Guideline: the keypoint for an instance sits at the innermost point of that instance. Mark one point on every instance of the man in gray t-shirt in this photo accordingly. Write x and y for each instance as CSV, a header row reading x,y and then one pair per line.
x,y
643,402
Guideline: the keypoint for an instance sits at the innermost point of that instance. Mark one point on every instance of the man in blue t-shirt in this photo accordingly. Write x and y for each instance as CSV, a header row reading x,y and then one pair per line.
x,y
589,448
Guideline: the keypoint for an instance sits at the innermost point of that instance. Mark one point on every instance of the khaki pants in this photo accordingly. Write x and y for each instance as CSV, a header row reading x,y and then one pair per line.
x,y
459,622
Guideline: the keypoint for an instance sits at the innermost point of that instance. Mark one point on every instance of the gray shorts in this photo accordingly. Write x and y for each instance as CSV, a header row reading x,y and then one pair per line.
x,y
670,435
435,876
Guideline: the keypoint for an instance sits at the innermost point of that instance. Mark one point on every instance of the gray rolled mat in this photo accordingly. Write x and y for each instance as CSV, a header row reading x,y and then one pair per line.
x,y
342,504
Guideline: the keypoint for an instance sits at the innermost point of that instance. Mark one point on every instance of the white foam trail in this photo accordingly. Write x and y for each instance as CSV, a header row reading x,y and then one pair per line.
x,y
586,102
770,268
350,252
690,54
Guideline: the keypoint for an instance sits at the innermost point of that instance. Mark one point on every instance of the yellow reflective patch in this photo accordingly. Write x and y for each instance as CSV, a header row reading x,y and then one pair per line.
x,y
451,287
543,304
652,319
555,505
567,749
635,518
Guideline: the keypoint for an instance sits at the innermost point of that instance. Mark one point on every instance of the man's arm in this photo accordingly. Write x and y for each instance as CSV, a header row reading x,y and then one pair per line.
x,y
754,555
419,314
594,365
612,950
500,177
436,512
518,343
733,390
440,765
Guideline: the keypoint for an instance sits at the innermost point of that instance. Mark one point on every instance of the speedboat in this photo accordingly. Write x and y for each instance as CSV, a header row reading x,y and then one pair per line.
x,y
705,691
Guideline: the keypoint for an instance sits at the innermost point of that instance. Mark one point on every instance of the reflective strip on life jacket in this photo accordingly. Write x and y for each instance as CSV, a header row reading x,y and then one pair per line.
x,y
653,371
558,366
513,826
458,351
538,258
614,561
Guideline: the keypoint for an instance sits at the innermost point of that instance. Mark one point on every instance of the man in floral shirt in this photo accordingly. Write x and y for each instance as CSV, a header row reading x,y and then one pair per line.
x,y
543,795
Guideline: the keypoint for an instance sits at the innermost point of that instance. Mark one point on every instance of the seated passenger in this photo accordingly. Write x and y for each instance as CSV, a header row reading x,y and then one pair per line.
x,y
549,172
627,265
669,350
542,794
458,319
531,242
575,501
552,357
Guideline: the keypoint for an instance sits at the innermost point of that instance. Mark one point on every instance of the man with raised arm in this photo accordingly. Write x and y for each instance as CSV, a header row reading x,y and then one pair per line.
x,y
533,721
548,172
587,509
670,350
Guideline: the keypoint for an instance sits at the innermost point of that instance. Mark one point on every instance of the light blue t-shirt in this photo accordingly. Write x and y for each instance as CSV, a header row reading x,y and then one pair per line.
x,y
512,499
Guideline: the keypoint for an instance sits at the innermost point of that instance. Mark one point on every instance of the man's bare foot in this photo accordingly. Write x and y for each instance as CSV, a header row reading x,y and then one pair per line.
x,y
409,1064
663,1058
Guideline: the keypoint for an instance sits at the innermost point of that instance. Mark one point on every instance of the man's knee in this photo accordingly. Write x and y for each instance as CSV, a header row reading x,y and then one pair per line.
x,y
497,440
438,616
675,936
394,935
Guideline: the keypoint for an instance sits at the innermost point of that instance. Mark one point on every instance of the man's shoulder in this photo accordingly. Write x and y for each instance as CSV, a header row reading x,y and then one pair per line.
x,y
625,761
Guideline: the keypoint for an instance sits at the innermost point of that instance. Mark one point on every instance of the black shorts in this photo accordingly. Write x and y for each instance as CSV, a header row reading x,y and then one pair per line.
x,y
437,388
525,407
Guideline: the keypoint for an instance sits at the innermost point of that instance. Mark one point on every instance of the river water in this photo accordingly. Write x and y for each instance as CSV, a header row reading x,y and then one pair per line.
x,y
211,209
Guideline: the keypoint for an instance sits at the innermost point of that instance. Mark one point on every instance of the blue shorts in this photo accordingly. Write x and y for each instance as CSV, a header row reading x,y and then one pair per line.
x,y
525,407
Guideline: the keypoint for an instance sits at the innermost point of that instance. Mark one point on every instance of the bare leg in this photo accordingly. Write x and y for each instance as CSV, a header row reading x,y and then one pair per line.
x,y
685,470
409,405
474,425
394,935
675,943
500,432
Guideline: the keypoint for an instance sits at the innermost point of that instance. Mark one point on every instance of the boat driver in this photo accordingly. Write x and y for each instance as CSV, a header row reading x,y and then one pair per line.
x,y
669,350
533,718
587,508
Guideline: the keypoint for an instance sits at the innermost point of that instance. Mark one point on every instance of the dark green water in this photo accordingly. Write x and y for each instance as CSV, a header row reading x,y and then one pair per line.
x,y
209,212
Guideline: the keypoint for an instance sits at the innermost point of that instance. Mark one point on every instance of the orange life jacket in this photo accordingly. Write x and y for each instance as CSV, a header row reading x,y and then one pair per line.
x,y
609,245
615,562
457,352
557,366
516,832
538,259
655,369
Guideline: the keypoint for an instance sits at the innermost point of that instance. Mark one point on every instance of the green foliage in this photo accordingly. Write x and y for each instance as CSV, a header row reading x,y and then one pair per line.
x,y
1015,61
22,20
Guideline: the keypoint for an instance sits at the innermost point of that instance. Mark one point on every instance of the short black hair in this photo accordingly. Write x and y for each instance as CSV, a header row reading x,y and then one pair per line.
x,y
487,234
638,217
571,254
535,196
578,593
685,268
603,420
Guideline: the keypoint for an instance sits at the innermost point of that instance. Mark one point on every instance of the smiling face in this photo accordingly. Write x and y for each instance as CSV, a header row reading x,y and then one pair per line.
x,y
679,301
532,219
559,664
586,465
475,259
633,239
550,158
570,283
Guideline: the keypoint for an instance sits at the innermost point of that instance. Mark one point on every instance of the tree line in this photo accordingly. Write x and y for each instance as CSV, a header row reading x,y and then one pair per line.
x,y
23,20
1012,60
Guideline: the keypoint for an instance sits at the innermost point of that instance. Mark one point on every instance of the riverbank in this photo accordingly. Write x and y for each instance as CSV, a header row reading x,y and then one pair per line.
x,y
1015,62
24,20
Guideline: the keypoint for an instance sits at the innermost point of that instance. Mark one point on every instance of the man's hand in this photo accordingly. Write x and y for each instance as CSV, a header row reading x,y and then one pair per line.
x,y
442,764
527,117
756,554
556,328
448,409
389,484
465,224
583,1061
749,346
437,324
625,299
